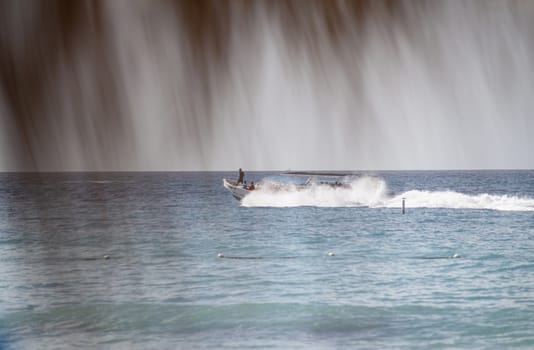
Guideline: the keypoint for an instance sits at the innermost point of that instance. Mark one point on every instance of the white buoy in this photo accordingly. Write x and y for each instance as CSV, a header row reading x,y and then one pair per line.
x,y
220,255
106,257
331,253
456,256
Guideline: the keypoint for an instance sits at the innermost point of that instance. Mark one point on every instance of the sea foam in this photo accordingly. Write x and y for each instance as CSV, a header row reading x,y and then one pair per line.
x,y
372,192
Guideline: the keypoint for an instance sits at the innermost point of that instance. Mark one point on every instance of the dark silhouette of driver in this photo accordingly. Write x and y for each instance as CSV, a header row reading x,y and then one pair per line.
x,y
241,176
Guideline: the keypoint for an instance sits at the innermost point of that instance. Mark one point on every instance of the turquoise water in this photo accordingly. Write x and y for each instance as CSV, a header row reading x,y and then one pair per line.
x,y
455,272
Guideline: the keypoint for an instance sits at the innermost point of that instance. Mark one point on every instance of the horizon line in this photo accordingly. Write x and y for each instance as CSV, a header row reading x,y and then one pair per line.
x,y
256,171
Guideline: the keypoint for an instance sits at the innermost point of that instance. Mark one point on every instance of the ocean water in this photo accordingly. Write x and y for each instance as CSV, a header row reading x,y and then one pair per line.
x,y
455,272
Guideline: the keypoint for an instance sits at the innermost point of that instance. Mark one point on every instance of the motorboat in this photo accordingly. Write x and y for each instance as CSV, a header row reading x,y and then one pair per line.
x,y
290,181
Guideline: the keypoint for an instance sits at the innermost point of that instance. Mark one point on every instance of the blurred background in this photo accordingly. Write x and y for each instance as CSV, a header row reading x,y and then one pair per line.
x,y
217,85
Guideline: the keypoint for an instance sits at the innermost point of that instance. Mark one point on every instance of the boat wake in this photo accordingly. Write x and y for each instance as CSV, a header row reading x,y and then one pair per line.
x,y
373,192
456,200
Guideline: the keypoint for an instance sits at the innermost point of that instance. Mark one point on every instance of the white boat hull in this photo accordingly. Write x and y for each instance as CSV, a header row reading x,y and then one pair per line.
x,y
238,192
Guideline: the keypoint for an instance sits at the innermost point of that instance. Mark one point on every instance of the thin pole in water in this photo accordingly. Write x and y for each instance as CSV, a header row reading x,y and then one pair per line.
x,y
403,205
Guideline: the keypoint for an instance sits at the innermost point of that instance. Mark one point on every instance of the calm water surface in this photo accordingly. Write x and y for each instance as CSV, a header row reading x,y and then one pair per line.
x,y
392,283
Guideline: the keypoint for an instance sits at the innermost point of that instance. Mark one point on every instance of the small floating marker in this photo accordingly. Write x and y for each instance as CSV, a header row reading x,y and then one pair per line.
x,y
106,257
456,256
220,255
403,205
331,253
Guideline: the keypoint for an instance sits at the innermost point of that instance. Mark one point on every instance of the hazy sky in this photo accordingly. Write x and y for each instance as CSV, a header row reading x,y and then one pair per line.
x,y
217,85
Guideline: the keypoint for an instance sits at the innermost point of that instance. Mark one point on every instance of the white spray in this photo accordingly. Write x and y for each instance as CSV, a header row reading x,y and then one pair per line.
x,y
372,192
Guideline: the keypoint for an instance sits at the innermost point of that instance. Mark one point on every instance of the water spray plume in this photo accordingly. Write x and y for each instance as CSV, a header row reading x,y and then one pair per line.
x,y
373,192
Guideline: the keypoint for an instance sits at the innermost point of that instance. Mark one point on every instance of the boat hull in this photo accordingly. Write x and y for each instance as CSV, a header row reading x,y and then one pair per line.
x,y
238,192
